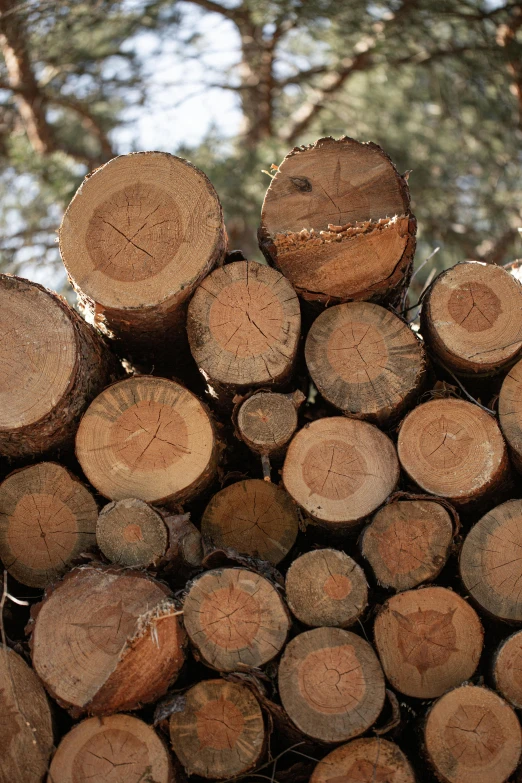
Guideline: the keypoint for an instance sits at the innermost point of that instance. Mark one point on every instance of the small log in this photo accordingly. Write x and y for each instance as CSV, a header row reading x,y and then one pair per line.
x,y
254,517
26,739
369,760
408,542
217,731
453,449
365,361
52,365
235,618
331,684
117,748
428,640
107,640
137,238
507,669
340,470
131,533
472,318
325,587
336,222
243,326
510,413
147,438
266,421
490,567
471,735
47,520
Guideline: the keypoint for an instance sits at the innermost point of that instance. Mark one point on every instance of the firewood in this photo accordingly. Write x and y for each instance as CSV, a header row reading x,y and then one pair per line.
x,y
131,533
365,361
148,438
235,619
472,736
217,730
137,238
326,587
266,421
26,739
106,640
507,669
370,760
428,640
243,325
472,318
336,222
47,519
331,684
510,413
52,365
254,517
117,748
340,470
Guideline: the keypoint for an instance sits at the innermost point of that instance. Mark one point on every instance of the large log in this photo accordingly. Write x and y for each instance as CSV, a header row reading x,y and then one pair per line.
x,y
507,669
369,760
510,413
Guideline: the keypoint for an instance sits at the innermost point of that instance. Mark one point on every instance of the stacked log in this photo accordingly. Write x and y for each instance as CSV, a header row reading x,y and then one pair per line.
x,y
259,547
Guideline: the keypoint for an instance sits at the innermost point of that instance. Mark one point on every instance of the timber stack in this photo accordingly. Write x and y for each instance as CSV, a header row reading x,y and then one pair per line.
x,y
256,521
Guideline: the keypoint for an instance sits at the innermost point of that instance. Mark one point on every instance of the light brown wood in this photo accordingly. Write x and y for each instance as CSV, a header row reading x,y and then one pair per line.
x,y
52,364
340,470
131,533
370,760
254,517
235,618
47,519
107,640
453,449
472,736
507,669
365,361
117,748
219,731
147,438
428,640
26,733
472,318
510,413
325,587
331,684
408,542
336,222
266,421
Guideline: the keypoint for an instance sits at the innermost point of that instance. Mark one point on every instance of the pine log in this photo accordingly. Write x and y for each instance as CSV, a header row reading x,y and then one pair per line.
x,y
507,669
331,684
336,222
243,326
453,449
106,640
52,365
510,413
218,730
138,237
147,438
490,563
428,640
325,587
254,517
266,421
340,470
408,542
131,533
369,760
472,318
47,519
471,735
365,361
26,733
235,619
117,748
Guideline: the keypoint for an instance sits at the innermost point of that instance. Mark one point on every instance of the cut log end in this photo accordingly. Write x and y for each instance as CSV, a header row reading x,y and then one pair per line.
x,y
507,669
510,413
472,736
267,420
218,732
326,587
331,684
428,640
47,519
254,517
340,470
372,760
131,533
235,618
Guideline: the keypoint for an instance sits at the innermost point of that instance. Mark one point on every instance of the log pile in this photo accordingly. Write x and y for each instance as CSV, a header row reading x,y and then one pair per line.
x,y
254,523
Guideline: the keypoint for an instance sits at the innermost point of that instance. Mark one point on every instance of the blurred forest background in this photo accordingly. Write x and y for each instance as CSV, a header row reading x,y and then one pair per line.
x,y
234,84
